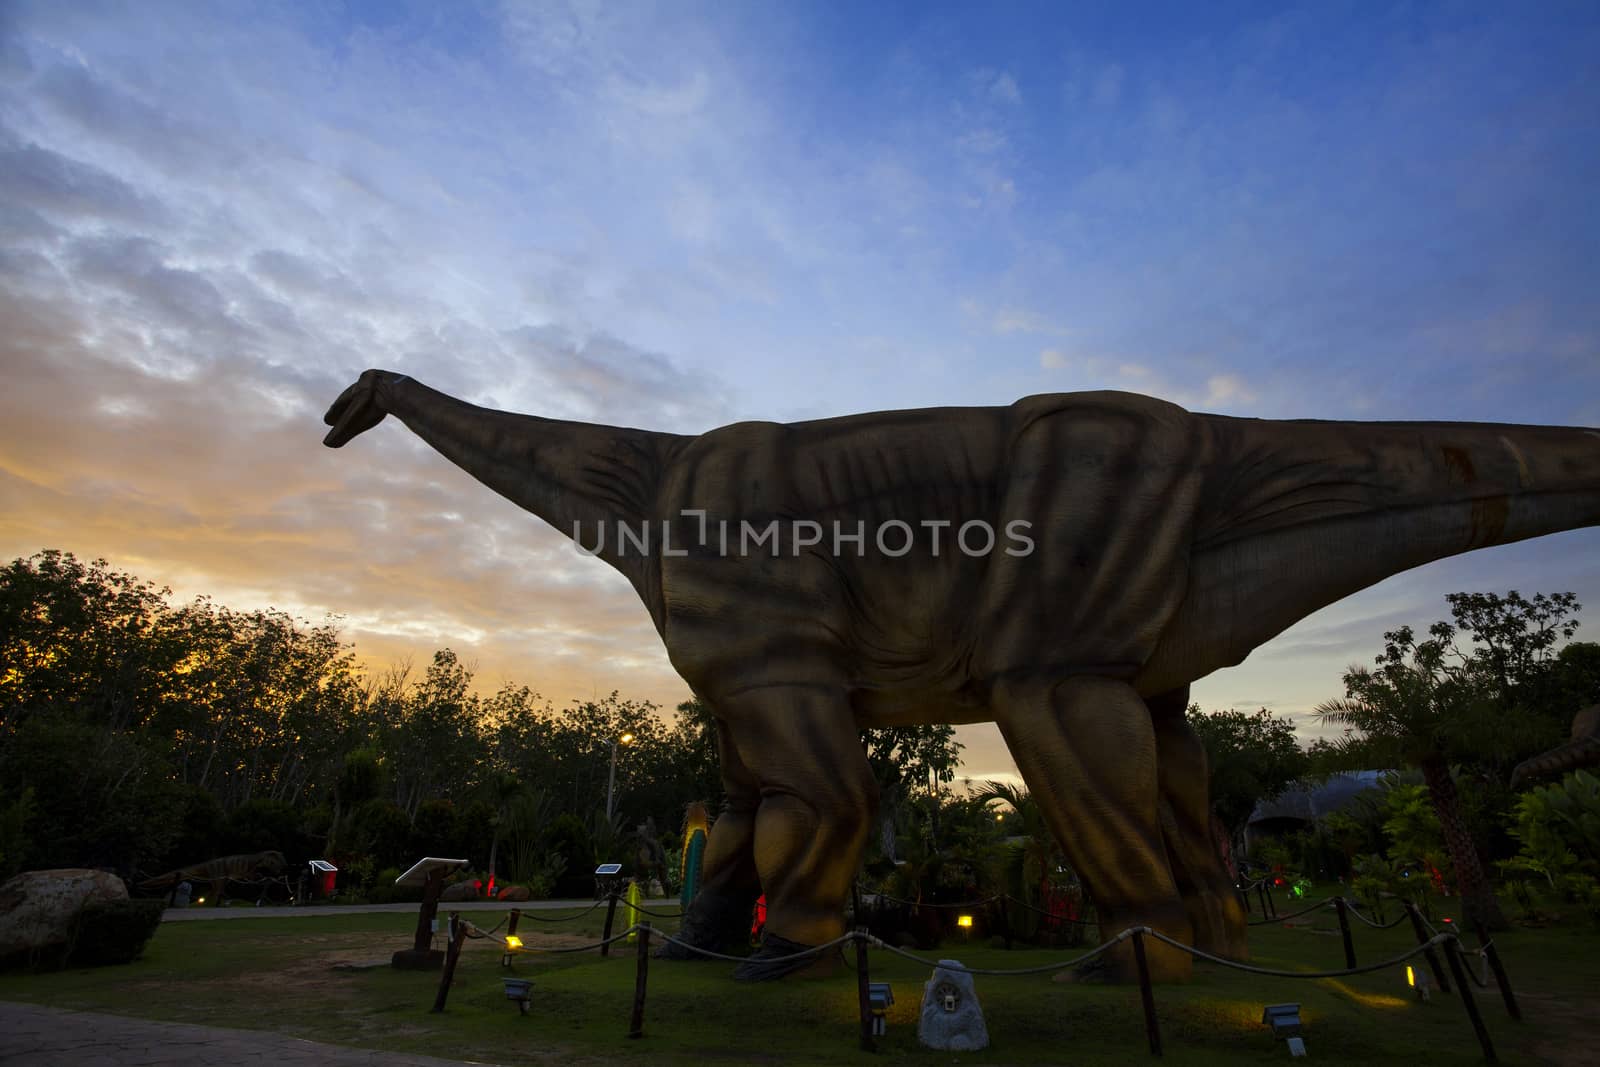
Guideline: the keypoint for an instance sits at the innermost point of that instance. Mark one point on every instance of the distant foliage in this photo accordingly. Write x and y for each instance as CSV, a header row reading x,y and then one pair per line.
x,y
1252,757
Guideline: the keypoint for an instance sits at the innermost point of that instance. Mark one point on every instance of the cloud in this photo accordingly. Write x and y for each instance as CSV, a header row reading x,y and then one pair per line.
x,y
45,183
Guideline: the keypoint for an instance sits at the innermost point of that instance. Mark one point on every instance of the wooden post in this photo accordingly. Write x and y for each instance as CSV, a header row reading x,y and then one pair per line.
x,y
1244,898
1500,977
611,914
1439,977
1261,892
636,1024
862,994
1452,952
1150,1028
1344,931
511,924
432,888
458,934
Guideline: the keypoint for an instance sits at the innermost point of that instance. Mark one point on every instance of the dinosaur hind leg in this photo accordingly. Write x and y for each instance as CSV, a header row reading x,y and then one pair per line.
x,y
1208,893
818,797
719,917
1087,751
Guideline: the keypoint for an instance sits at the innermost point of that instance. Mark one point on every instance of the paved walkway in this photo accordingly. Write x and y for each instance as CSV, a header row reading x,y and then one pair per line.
x,y
33,1036
445,908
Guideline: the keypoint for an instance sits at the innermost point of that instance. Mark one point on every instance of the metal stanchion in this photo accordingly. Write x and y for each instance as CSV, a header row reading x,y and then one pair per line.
x,y
1452,952
1344,931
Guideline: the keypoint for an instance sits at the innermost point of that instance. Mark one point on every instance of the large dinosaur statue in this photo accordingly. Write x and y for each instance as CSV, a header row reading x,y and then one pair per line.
x,y
219,872
1580,752
1164,545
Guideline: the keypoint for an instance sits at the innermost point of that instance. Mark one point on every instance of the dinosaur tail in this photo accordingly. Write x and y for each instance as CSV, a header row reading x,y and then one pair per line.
x,y
1296,515
1582,752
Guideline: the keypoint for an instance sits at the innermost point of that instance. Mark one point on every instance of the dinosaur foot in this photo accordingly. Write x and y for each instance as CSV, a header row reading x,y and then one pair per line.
x,y
1092,972
715,922
671,950
778,957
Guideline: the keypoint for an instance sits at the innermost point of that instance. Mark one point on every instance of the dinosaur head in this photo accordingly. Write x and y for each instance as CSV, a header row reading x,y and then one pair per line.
x,y
270,862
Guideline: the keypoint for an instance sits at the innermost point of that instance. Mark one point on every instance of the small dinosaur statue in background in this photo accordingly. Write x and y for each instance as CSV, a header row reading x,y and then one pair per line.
x,y
1580,752
241,868
1166,545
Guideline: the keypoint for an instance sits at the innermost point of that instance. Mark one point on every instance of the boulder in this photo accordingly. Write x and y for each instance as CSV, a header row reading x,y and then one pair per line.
x,y
952,1019
37,908
515,894
467,890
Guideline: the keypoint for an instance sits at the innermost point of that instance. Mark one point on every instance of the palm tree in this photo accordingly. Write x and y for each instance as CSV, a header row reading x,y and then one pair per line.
x,y
503,788
1038,852
1415,709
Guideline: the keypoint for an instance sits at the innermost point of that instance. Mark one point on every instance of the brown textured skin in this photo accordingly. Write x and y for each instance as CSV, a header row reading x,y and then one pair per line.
x,y
1167,545
1582,751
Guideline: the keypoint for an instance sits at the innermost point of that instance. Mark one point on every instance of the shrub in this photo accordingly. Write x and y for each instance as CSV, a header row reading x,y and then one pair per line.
x,y
112,931
381,830
384,891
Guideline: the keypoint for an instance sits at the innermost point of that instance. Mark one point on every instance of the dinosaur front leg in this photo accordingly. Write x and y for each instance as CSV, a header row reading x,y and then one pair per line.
x,y
818,797
719,917
1087,750
1208,893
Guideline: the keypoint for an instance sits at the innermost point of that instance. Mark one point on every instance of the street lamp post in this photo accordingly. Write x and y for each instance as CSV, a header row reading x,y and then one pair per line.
x,y
611,782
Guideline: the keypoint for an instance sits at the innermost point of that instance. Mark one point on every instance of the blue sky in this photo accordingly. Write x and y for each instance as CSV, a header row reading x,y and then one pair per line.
x,y
212,216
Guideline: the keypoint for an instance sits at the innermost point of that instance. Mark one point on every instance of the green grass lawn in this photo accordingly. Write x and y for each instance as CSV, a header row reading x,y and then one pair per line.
x,y
279,974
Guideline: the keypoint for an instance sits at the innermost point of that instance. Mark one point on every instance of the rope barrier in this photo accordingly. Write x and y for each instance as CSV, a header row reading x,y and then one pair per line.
x,y
562,919
1351,906
709,954
1432,942
658,914
1480,974
1042,969
1291,915
473,931
1047,914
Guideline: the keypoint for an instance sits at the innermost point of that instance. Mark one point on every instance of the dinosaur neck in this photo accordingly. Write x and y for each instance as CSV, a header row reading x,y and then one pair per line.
x,y
578,477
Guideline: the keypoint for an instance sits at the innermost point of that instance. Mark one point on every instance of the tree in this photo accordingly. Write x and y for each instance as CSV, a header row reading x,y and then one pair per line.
x,y
502,791
1415,708
1251,757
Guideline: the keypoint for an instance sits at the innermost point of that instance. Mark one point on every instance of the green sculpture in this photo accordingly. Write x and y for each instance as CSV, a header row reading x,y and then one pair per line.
x,y
1064,567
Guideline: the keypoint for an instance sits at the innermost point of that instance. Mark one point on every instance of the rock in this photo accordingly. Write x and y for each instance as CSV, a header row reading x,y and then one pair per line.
x,y
515,894
37,908
951,1016
459,891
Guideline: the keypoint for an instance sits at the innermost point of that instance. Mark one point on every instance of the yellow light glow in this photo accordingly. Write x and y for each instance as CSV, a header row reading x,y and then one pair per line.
x,y
1411,977
965,920
513,942
626,739
200,900
1365,999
